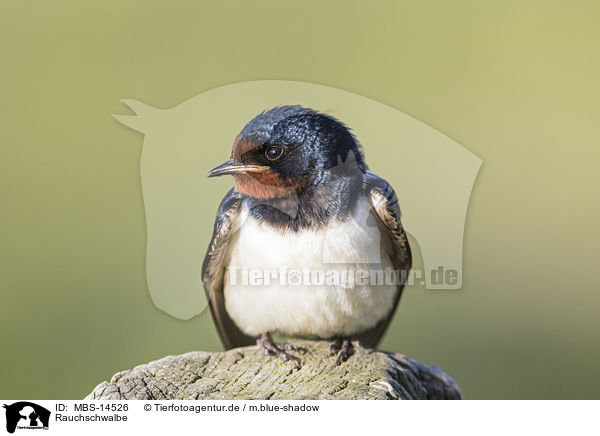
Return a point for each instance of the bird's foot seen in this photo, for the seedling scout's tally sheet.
(280, 350)
(344, 348)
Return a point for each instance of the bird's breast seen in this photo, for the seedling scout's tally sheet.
(310, 282)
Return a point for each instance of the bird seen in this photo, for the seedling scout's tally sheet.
(304, 200)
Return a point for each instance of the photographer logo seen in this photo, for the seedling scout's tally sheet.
(26, 415)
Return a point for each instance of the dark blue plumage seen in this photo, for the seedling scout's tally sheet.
(321, 160)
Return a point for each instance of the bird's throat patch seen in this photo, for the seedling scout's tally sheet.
(265, 185)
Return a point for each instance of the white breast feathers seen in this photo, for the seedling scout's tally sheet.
(305, 283)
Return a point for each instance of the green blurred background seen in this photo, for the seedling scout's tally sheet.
(516, 82)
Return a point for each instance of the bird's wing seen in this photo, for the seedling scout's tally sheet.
(385, 208)
(213, 270)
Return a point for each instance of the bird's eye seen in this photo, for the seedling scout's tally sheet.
(273, 152)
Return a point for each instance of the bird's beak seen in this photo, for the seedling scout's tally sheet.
(232, 167)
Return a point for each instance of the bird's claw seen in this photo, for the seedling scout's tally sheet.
(344, 348)
(271, 348)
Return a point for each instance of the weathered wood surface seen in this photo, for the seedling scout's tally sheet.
(247, 373)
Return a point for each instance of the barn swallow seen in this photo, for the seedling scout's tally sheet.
(301, 177)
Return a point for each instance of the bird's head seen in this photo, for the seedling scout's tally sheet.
(289, 149)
